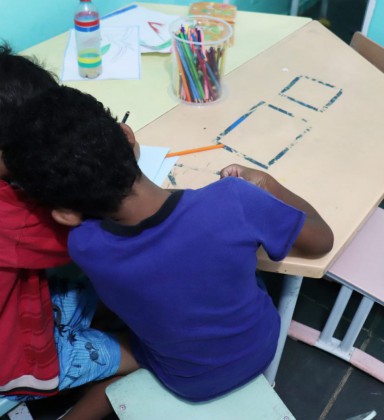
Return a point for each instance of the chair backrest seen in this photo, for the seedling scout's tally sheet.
(373, 26)
(360, 265)
(369, 49)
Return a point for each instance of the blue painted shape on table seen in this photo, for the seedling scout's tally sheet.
(335, 93)
(278, 156)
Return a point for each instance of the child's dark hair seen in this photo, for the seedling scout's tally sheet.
(67, 151)
(20, 79)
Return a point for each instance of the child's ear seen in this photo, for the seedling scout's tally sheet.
(66, 217)
(131, 139)
(129, 133)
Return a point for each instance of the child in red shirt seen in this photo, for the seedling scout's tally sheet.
(45, 353)
(30, 242)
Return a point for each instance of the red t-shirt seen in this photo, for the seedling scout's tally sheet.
(30, 241)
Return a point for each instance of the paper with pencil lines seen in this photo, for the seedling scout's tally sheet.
(120, 55)
(154, 32)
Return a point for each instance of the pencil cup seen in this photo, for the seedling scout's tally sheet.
(199, 45)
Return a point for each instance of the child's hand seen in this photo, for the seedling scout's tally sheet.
(258, 178)
(316, 237)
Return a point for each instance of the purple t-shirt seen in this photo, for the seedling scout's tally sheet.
(184, 281)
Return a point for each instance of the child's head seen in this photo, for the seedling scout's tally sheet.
(20, 79)
(68, 152)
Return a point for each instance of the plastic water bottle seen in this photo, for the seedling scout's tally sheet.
(88, 39)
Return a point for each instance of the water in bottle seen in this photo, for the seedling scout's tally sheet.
(88, 39)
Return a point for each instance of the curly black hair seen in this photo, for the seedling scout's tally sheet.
(20, 79)
(67, 151)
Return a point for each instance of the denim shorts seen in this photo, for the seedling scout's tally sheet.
(85, 354)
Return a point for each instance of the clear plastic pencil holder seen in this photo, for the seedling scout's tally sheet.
(199, 46)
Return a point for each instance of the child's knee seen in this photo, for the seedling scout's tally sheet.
(128, 363)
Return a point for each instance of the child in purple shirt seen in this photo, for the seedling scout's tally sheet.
(178, 268)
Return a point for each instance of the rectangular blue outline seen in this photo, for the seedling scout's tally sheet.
(313, 108)
(244, 117)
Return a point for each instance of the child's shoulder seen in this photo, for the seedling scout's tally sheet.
(4, 184)
(228, 188)
(234, 184)
(88, 228)
(11, 194)
(228, 182)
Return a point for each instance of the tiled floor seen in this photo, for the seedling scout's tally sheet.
(313, 384)
(317, 385)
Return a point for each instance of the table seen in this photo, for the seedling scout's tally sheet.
(148, 98)
(315, 113)
(315, 124)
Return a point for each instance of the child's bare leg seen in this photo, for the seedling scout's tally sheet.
(94, 405)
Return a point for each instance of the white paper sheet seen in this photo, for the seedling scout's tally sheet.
(154, 32)
(164, 170)
(153, 163)
(120, 55)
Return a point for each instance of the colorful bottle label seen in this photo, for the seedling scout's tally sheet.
(87, 22)
(89, 59)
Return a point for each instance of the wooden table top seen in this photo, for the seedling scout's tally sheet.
(309, 110)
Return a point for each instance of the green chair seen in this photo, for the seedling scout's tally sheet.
(6, 405)
(140, 396)
(14, 410)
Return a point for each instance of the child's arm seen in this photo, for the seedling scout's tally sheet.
(316, 237)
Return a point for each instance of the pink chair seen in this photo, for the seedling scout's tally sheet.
(360, 268)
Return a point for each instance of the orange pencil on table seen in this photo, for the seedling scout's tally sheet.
(196, 150)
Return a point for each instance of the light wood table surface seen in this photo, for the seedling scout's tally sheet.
(316, 124)
(149, 98)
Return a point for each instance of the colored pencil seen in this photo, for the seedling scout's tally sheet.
(199, 68)
(183, 78)
(198, 149)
